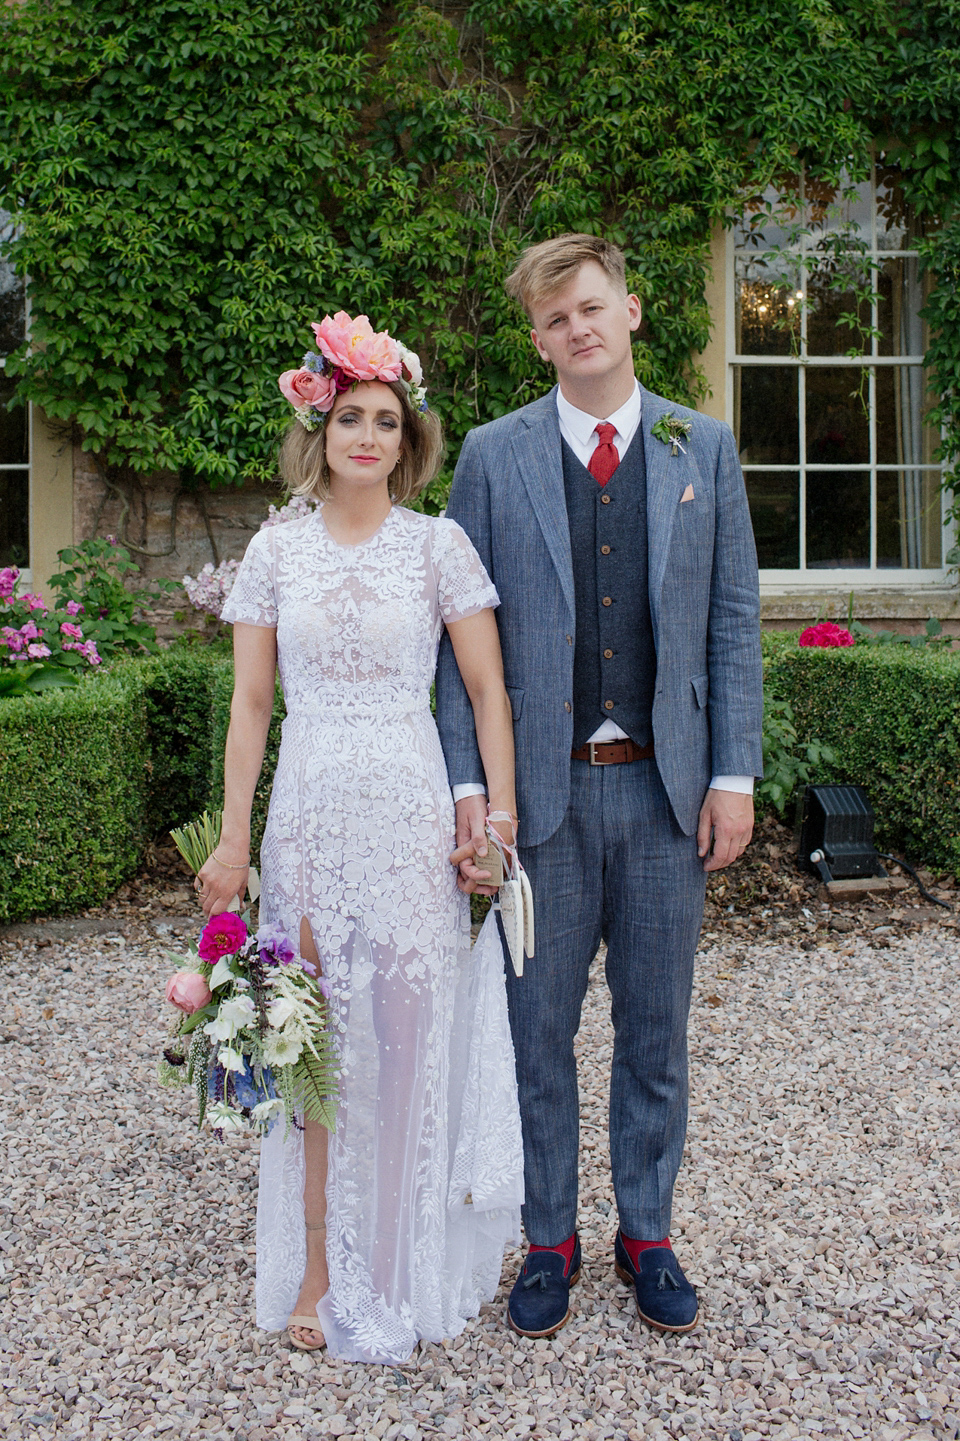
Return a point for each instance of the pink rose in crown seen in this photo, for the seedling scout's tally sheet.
(188, 992)
(303, 387)
(222, 936)
(354, 346)
(826, 634)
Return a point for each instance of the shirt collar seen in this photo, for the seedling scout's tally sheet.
(581, 425)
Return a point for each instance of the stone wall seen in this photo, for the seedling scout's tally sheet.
(169, 531)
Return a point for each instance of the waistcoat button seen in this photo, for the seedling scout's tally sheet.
(604, 550)
(608, 654)
(608, 705)
(607, 600)
(604, 500)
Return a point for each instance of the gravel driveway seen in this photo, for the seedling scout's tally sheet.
(817, 1211)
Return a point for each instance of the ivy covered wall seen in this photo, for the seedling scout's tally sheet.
(193, 184)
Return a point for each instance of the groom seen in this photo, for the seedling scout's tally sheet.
(616, 530)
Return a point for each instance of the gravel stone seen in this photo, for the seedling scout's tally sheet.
(817, 1212)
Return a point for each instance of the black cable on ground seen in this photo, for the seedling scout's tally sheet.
(920, 886)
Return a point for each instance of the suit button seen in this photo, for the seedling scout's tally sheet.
(604, 500)
(604, 550)
(569, 640)
(608, 654)
(607, 600)
(608, 705)
(567, 705)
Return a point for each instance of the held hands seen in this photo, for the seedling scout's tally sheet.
(727, 818)
(472, 844)
(218, 881)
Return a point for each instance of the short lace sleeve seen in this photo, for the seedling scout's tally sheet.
(463, 586)
(253, 599)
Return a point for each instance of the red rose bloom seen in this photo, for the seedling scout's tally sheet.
(222, 936)
(826, 634)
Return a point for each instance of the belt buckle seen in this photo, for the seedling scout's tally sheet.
(592, 747)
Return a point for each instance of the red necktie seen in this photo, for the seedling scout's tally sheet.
(606, 458)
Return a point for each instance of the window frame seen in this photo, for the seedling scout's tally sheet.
(847, 577)
(26, 571)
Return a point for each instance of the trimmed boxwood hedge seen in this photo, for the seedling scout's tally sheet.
(72, 795)
(180, 707)
(892, 715)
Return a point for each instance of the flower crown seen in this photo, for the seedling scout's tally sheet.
(349, 350)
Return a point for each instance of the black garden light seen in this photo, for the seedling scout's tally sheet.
(836, 833)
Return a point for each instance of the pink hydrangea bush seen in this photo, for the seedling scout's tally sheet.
(826, 634)
(39, 646)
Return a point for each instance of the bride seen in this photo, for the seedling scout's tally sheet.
(391, 1228)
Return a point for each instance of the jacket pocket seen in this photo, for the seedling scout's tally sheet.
(515, 694)
(701, 689)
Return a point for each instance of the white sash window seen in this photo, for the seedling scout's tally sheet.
(836, 449)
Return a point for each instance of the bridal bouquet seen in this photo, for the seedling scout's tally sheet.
(253, 1036)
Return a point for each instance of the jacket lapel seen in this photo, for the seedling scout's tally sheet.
(536, 449)
(664, 488)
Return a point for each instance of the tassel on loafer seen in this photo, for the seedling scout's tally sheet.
(539, 1303)
(665, 1299)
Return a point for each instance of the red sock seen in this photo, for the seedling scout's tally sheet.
(633, 1248)
(565, 1249)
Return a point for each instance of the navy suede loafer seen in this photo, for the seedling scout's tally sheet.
(665, 1298)
(540, 1300)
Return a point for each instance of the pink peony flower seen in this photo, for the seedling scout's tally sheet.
(303, 387)
(73, 631)
(74, 608)
(223, 935)
(38, 652)
(188, 992)
(826, 634)
(354, 346)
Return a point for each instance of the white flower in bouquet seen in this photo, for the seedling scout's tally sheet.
(239, 1011)
(283, 1048)
(280, 1012)
(266, 1112)
(230, 1060)
(224, 1117)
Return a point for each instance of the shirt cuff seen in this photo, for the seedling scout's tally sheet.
(742, 785)
(471, 788)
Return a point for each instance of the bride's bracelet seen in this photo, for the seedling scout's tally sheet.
(226, 864)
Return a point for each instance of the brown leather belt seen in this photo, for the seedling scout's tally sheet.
(612, 753)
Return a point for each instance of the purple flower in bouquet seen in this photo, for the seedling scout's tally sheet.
(275, 946)
(826, 634)
(223, 935)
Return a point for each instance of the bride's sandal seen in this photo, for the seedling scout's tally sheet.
(307, 1323)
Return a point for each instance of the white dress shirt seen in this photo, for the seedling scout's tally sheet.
(579, 430)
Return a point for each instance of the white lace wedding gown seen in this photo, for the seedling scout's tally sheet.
(425, 1165)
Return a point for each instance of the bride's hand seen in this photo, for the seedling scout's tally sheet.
(218, 881)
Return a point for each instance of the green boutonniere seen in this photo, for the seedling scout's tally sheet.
(672, 430)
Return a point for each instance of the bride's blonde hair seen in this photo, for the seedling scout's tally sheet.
(303, 455)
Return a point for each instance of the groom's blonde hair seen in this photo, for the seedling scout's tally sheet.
(546, 267)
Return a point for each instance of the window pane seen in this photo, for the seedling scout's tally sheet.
(13, 426)
(897, 228)
(766, 414)
(768, 311)
(14, 549)
(767, 221)
(909, 523)
(831, 207)
(13, 315)
(838, 519)
(900, 288)
(775, 511)
(828, 302)
(837, 429)
(903, 438)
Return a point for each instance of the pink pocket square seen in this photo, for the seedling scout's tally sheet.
(687, 494)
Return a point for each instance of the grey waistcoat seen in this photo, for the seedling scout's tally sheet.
(614, 654)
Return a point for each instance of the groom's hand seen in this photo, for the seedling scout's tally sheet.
(472, 846)
(727, 818)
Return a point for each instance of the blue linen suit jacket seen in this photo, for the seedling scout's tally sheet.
(508, 496)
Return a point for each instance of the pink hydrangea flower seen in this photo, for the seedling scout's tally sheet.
(73, 631)
(355, 347)
(8, 580)
(34, 602)
(74, 608)
(13, 639)
(826, 634)
(223, 935)
(38, 652)
(304, 387)
(30, 631)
